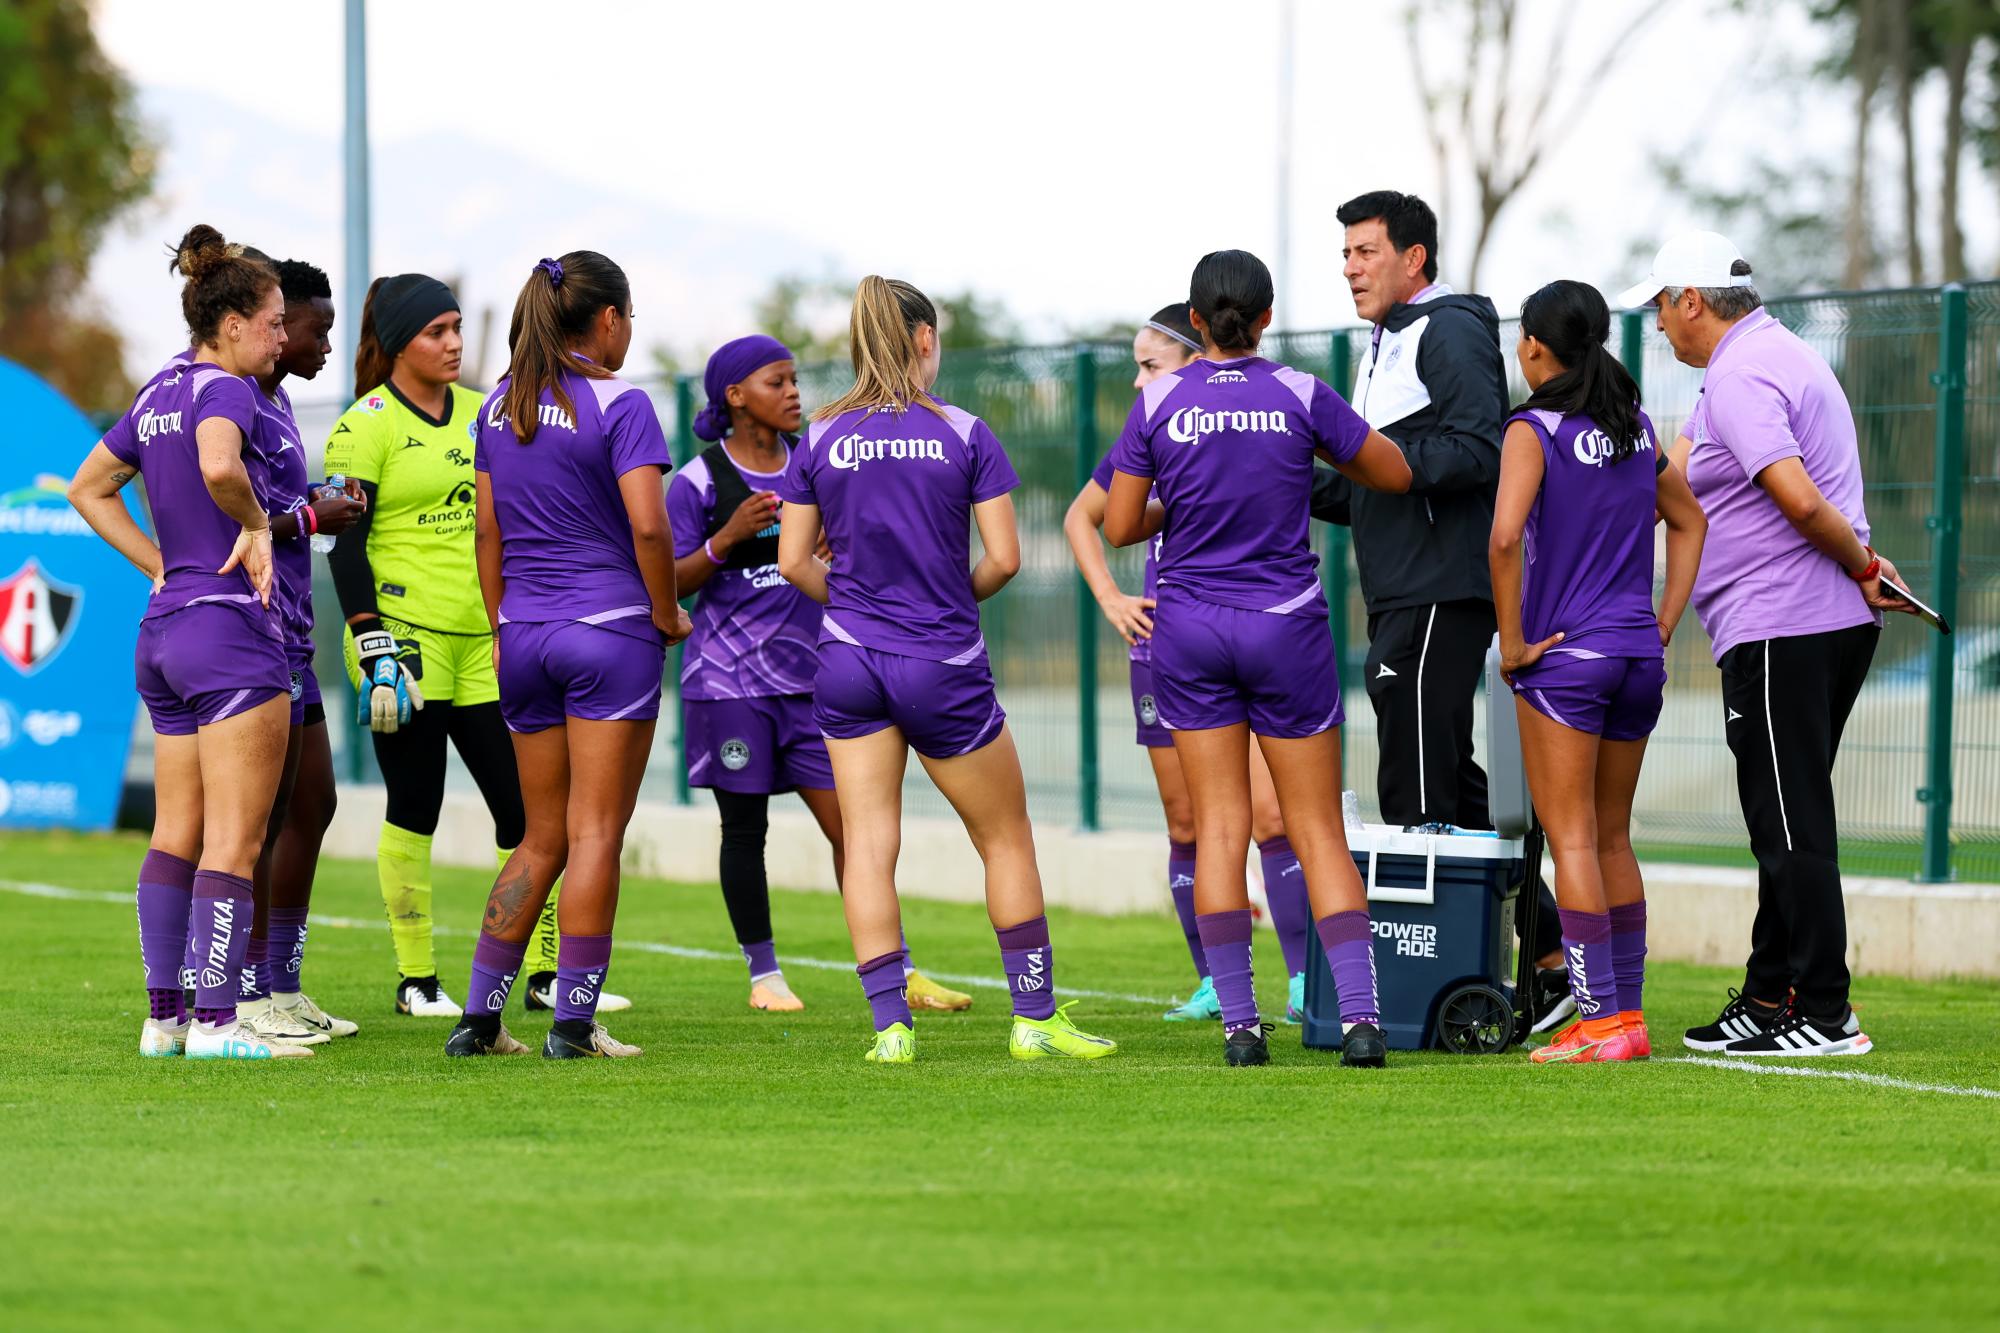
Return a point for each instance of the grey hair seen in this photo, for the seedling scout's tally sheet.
(1725, 303)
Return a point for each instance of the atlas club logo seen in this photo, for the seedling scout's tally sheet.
(37, 615)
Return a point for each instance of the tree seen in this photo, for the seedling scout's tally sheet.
(1503, 132)
(73, 158)
(809, 315)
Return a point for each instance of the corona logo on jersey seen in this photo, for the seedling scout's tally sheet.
(36, 616)
(1191, 423)
(1594, 448)
(850, 451)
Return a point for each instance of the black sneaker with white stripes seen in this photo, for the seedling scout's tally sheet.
(1799, 1035)
(1739, 1021)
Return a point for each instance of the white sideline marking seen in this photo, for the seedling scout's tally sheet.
(1753, 1065)
(642, 946)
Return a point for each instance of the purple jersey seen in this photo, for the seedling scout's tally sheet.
(1142, 649)
(157, 437)
(1229, 448)
(754, 633)
(282, 489)
(1589, 543)
(565, 540)
(895, 491)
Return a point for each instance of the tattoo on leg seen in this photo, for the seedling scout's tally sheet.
(509, 900)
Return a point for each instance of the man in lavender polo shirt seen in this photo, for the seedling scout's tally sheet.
(1791, 594)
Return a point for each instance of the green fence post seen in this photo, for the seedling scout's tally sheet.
(1333, 561)
(1085, 388)
(683, 451)
(1947, 494)
(1632, 346)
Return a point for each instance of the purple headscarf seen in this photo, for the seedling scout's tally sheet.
(733, 363)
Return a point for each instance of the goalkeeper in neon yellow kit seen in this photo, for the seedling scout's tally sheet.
(418, 647)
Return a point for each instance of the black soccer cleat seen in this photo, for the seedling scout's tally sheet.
(1740, 1020)
(540, 992)
(481, 1035)
(1553, 1003)
(1362, 1047)
(1247, 1046)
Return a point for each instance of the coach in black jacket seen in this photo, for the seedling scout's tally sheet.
(1432, 381)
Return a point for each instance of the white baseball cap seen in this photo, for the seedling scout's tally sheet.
(1692, 259)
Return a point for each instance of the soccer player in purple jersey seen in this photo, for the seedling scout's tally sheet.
(1581, 478)
(1167, 343)
(576, 564)
(746, 672)
(1241, 639)
(896, 478)
(271, 1001)
(211, 658)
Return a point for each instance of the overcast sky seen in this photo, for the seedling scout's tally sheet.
(1072, 159)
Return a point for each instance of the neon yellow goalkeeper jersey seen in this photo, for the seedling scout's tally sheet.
(420, 540)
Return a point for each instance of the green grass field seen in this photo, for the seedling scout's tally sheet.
(752, 1172)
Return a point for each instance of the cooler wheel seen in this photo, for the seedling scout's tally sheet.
(1475, 1020)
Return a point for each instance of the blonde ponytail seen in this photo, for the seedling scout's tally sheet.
(882, 336)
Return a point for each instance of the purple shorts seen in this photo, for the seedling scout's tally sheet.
(1215, 666)
(304, 682)
(1617, 698)
(207, 662)
(943, 710)
(555, 669)
(755, 746)
(1146, 710)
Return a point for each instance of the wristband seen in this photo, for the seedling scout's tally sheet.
(1873, 570)
(311, 521)
(710, 552)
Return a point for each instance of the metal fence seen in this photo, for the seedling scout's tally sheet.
(1917, 776)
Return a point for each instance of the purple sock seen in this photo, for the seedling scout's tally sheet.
(166, 893)
(903, 943)
(222, 908)
(190, 965)
(1628, 954)
(581, 962)
(1593, 977)
(495, 964)
(882, 983)
(1349, 941)
(1031, 968)
(1225, 938)
(762, 957)
(286, 929)
(1180, 881)
(1285, 891)
(254, 983)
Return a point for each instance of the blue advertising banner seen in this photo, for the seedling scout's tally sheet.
(69, 618)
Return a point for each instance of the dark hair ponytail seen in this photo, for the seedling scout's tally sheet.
(222, 279)
(558, 303)
(372, 362)
(1230, 290)
(1572, 321)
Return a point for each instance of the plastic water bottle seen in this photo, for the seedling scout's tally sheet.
(1350, 810)
(336, 485)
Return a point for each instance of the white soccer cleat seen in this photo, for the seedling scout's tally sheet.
(263, 1018)
(543, 996)
(299, 1007)
(159, 1039)
(422, 997)
(233, 1041)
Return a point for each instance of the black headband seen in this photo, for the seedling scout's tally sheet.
(404, 305)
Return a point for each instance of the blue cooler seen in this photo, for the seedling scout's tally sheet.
(1442, 906)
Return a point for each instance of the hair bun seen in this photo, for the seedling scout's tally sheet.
(201, 250)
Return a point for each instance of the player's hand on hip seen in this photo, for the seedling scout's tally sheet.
(252, 552)
(673, 622)
(1520, 656)
(1130, 616)
(389, 694)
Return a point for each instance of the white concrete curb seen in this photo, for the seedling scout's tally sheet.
(1698, 914)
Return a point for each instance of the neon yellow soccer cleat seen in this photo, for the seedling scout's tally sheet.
(894, 1045)
(1039, 1038)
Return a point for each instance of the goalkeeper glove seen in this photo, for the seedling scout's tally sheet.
(389, 694)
